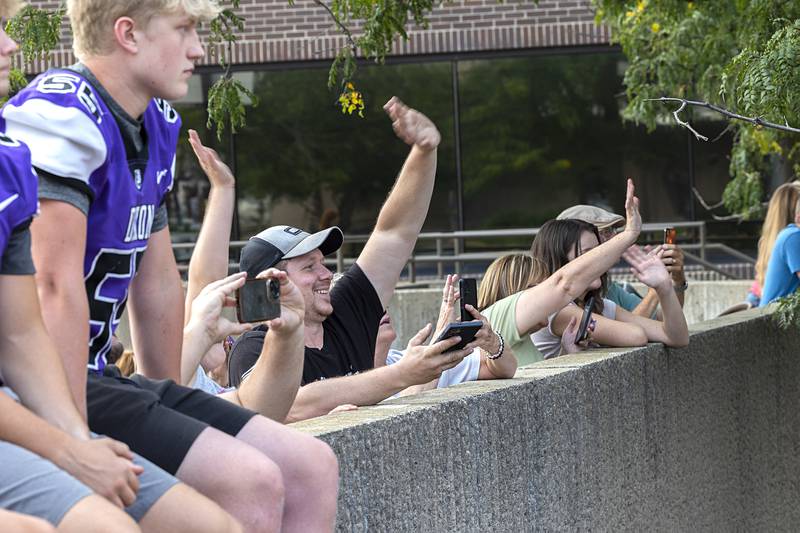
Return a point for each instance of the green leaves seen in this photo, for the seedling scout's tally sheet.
(38, 31)
(742, 55)
(226, 105)
(226, 97)
(787, 313)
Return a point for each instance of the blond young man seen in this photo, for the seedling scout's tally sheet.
(103, 142)
(50, 466)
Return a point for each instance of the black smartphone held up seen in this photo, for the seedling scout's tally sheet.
(670, 235)
(468, 290)
(583, 330)
(258, 300)
(465, 330)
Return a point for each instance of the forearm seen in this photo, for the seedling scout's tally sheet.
(504, 367)
(21, 427)
(576, 275)
(407, 204)
(194, 346)
(209, 260)
(156, 319)
(674, 325)
(271, 387)
(648, 305)
(66, 316)
(366, 388)
(39, 379)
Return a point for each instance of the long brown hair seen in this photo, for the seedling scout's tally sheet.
(507, 275)
(780, 213)
(556, 238)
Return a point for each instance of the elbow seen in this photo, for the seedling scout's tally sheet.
(505, 372)
(679, 341)
(566, 287)
(638, 337)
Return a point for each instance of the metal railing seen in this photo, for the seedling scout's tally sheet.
(449, 248)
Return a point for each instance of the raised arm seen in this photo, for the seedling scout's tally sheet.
(272, 385)
(155, 310)
(58, 244)
(650, 270)
(570, 281)
(402, 215)
(209, 260)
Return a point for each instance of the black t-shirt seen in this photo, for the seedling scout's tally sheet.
(349, 334)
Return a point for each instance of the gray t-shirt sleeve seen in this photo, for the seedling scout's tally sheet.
(17, 259)
(54, 189)
(160, 220)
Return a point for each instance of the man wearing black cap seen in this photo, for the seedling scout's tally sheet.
(341, 324)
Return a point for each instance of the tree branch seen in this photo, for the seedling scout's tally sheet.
(758, 121)
(347, 33)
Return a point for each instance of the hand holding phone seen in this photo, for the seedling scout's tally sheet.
(465, 330)
(258, 300)
(583, 330)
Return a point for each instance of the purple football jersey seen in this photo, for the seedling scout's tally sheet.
(72, 134)
(18, 201)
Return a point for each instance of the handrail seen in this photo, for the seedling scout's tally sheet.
(453, 253)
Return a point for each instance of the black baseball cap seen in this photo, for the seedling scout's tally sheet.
(284, 242)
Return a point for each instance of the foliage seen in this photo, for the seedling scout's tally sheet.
(787, 311)
(37, 31)
(741, 55)
(226, 95)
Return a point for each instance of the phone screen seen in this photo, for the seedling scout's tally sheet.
(670, 235)
(258, 300)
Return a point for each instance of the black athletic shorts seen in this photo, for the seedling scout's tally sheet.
(158, 419)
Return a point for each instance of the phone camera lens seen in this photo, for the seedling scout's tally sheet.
(274, 289)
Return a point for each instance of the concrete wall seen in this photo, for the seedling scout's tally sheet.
(412, 308)
(702, 438)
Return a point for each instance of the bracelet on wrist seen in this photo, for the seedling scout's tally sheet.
(500, 350)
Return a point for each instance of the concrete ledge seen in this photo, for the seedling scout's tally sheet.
(701, 438)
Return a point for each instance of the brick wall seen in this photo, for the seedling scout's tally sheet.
(276, 31)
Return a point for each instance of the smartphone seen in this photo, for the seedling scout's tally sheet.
(670, 235)
(583, 330)
(465, 330)
(468, 289)
(258, 300)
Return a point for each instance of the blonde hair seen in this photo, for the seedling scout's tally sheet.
(507, 275)
(781, 212)
(93, 20)
(126, 363)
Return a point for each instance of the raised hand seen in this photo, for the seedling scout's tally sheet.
(673, 260)
(568, 338)
(218, 172)
(207, 309)
(648, 267)
(447, 311)
(633, 222)
(411, 126)
(292, 303)
(486, 339)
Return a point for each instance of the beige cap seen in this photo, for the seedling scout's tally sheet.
(593, 215)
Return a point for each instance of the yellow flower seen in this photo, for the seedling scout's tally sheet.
(629, 14)
(655, 27)
(640, 5)
(690, 6)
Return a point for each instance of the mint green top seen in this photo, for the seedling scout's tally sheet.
(502, 315)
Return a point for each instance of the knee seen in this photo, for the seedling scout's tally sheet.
(263, 493)
(328, 464)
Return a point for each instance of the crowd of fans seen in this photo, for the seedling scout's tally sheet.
(186, 430)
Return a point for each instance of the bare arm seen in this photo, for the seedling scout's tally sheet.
(570, 281)
(31, 365)
(271, 387)
(650, 270)
(504, 367)
(58, 246)
(421, 364)
(402, 215)
(607, 332)
(210, 257)
(648, 305)
(155, 305)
